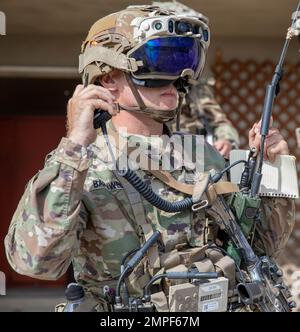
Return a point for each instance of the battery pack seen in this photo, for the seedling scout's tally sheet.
(211, 296)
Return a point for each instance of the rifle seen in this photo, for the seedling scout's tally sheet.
(262, 286)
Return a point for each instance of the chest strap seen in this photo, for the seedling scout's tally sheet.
(166, 177)
(220, 188)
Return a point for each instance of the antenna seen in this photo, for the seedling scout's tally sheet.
(272, 91)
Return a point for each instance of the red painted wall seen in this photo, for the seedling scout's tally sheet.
(25, 141)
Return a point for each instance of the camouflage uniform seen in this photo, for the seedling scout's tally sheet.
(75, 210)
(201, 114)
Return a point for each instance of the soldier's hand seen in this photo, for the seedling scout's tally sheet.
(274, 144)
(224, 147)
(80, 112)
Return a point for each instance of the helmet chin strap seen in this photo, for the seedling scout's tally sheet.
(158, 115)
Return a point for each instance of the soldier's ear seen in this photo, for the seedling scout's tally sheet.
(111, 81)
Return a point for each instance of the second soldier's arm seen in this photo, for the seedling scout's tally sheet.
(277, 214)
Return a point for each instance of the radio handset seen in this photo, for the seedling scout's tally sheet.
(100, 116)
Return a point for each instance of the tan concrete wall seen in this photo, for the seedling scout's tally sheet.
(63, 51)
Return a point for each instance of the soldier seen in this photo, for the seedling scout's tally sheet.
(135, 64)
(201, 114)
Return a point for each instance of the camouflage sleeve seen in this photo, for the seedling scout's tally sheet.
(44, 229)
(275, 226)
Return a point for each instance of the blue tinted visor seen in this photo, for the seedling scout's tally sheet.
(168, 57)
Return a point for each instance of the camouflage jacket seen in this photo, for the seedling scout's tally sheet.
(75, 210)
(201, 114)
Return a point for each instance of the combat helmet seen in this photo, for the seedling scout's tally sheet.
(152, 46)
(180, 9)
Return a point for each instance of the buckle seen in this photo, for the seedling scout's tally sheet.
(200, 205)
(134, 65)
